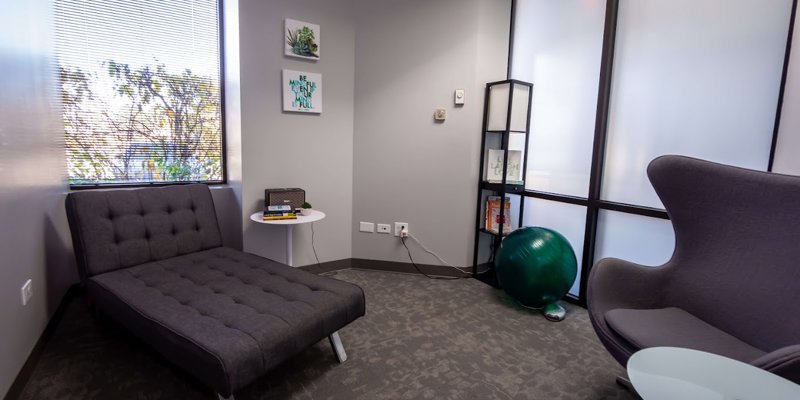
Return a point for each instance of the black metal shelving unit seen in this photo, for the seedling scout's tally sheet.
(485, 271)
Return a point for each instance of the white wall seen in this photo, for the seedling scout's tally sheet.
(228, 199)
(314, 152)
(34, 241)
(787, 150)
(410, 56)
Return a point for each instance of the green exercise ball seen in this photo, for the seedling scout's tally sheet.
(536, 266)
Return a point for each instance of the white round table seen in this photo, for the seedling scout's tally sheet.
(289, 223)
(669, 373)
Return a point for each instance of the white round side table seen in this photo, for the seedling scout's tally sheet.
(669, 373)
(289, 223)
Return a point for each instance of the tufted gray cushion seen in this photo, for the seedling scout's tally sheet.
(226, 316)
(120, 228)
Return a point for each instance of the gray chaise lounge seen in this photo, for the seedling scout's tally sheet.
(731, 287)
(152, 259)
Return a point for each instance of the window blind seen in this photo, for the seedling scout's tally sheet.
(140, 90)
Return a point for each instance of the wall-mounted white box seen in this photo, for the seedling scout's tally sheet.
(367, 227)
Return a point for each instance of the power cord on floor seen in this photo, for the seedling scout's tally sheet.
(313, 247)
(446, 278)
(445, 263)
(404, 234)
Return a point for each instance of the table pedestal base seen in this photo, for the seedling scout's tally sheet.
(289, 232)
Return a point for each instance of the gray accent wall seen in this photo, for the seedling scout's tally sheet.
(410, 57)
(34, 240)
(284, 149)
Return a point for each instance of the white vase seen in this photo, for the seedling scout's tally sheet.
(306, 211)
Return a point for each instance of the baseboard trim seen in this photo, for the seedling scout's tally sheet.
(15, 391)
(381, 265)
(327, 266)
(394, 266)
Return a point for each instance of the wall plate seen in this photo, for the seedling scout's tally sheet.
(458, 97)
(368, 227)
(398, 226)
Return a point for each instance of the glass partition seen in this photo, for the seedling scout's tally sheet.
(692, 78)
(567, 219)
(557, 47)
(644, 240)
(696, 78)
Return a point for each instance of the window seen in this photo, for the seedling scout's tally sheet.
(141, 90)
(674, 78)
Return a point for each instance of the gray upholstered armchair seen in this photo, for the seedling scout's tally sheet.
(732, 286)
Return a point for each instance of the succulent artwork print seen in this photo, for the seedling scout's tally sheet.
(302, 42)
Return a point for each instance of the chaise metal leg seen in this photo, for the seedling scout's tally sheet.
(336, 343)
(219, 396)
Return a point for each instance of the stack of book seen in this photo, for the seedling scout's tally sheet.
(492, 221)
(284, 211)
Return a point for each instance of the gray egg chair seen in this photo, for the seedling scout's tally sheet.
(732, 286)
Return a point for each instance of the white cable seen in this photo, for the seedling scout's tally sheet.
(312, 243)
(445, 263)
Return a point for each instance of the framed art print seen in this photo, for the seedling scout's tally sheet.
(494, 167)
(302, 91)
(302, 39)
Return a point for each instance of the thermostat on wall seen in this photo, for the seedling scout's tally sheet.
(440, 114)
(459, 96)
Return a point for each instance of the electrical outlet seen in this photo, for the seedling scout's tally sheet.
(27, 292)
(384, 228)
(368, 227)
(398, 227)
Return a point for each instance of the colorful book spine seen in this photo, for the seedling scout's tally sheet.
(492, 222)
(279, 214)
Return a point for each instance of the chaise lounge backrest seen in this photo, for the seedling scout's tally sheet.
(122, 228)
(737, 257)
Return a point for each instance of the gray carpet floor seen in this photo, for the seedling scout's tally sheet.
(420, 339)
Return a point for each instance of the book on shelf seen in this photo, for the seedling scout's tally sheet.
(280, 212)
(278, 215)
(278, 218)
(492, 221)
(281, 207)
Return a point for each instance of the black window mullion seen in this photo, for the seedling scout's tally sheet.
(599, 146)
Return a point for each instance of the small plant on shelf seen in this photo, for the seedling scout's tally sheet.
(305, 209)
